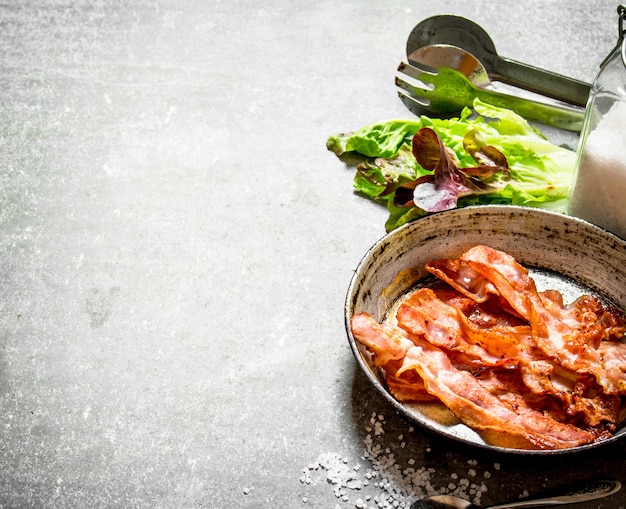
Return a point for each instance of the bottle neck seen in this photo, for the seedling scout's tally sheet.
(621, 32)
(620, 47)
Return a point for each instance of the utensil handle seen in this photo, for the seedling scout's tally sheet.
(540, 81)
(563, 116)
(585, 492)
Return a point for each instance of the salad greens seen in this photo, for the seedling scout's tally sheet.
(486, 155)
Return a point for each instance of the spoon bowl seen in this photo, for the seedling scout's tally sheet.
(463, 33)
(453, 57)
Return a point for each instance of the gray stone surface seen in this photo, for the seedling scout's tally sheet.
(176, 243)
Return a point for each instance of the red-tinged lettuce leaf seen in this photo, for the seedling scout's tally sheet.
(448, 183)
(490, 159)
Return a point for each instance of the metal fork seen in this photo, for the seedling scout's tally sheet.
(444, 92)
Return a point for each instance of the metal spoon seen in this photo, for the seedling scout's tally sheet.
(463, 33)
(582, 493)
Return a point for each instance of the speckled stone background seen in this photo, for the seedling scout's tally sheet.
(176, 243)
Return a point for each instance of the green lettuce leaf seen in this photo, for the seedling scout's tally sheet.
(539, 172)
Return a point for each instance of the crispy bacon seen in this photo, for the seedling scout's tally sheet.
(572, 348)
(409, 387)
(423, 314)
(461, 392)
(587, 311)
(461, 276)
(386, 342)
(516, 364)
(613, 358)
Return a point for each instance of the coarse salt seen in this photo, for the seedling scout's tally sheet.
(382, 482)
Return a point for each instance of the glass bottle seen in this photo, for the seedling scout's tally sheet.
(599, 191)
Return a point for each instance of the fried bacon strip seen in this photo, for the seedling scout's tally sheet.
(572, 347)
(461, 392)
(424, 314)
(409, 387)
(517, 365)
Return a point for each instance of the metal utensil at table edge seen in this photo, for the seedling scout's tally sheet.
(584, 492)
(444, 79)
(465, 34)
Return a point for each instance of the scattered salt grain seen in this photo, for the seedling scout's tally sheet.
(382, 481)
(378, 429)
(354, 484)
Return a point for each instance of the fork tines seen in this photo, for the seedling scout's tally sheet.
(414, 92)
(416, 70)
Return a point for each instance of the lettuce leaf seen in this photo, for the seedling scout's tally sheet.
(539, 173)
